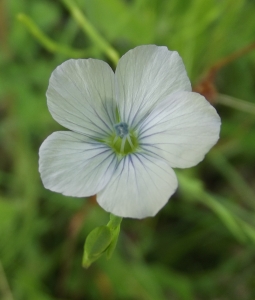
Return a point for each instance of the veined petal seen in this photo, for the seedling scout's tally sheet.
(185, 126)
(80, 96)
(139, 188)
(73, 165)
(145, 76)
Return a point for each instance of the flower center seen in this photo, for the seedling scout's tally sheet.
(121, 129)
(124, 141)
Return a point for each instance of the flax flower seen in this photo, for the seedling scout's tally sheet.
(128, 130)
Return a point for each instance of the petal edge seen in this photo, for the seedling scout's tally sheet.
(139, 188)
(72, 165)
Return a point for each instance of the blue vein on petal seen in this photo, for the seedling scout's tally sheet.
(68, 112)
(96, 155)
(78, 125)
(81, 103)
(95, 87)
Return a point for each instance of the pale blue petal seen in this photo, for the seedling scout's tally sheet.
(80, 97)
(144, 77)
(182, 129)
(139, 188)
(73, 165)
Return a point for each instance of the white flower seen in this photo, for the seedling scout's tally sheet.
(128, 130)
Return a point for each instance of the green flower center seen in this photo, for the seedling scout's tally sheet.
(123, 141)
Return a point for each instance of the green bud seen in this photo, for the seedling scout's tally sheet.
(114, 226)
(115, 234)
(102, 239)
(96, 244)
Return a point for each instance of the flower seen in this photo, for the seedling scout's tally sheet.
(128, 130)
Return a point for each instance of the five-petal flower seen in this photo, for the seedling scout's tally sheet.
(128, 130)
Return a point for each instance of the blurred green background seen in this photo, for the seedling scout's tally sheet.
(201, 245)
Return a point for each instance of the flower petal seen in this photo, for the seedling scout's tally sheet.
(185, 126)
(74, 166)
(139, 188)
(146, 75)
(80, 96)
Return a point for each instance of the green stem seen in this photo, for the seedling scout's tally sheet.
(89, 29)
(230, 221)
(233, 177)
(236, 103)
(194, 190)
(46, 42)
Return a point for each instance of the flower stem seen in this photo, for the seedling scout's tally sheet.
(89, 29)
(237, 182)
(236, 103)
(46, 42)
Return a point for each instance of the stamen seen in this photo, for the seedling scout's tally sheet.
(130, 142)
(115, 139)
(123, 142)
